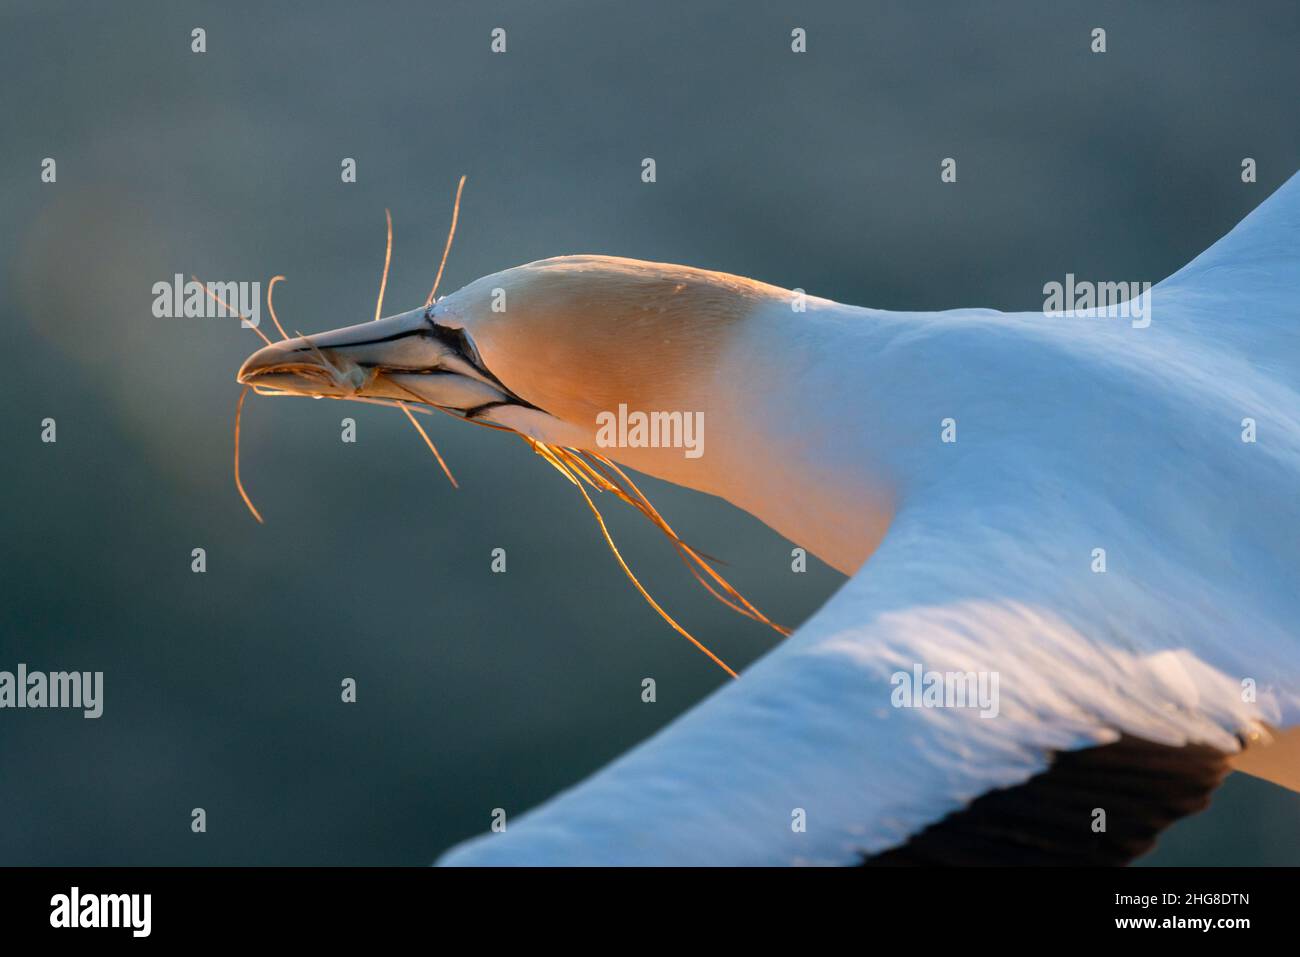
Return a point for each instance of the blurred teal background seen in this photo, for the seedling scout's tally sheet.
(478, 690)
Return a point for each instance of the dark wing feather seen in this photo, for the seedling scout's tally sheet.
(1142, 786)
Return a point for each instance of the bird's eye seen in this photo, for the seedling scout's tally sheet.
(470, 350)
(457, 339)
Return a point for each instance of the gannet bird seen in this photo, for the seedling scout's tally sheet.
(1101, 517)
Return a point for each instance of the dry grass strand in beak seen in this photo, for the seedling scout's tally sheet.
(609, 473)
(429, 442)
(215, 298)
(239, 484)
(270, 305)
(446, 250)
(558, 458)
(388, 257)
(406, 408)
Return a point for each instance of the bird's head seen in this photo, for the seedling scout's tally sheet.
(551, 349)
(581, 354)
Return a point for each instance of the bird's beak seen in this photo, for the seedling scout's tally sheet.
(406, 357)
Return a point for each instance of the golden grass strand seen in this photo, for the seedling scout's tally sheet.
(446, 250)
(752, 611)
(215, 298)
(388, 257)
(643, 505)
(550, 455)
(271, 305)
(429, 442)
(239, 484)
(600, 520)
(690, 557)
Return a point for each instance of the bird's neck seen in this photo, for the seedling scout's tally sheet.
(800, 427)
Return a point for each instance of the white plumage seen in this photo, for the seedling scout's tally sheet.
(1100, 536)
(1073, 434)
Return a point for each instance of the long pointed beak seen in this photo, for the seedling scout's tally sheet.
(405, 357)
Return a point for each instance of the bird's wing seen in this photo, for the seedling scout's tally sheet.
(1243, 293)
(817, 755)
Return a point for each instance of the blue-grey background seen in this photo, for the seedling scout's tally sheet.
(478, 690)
